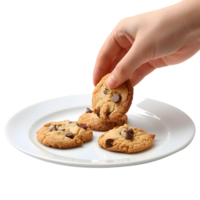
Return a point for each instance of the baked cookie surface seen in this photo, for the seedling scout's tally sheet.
(111, 104)
(64, 134)
(95, 123)
(126, 139)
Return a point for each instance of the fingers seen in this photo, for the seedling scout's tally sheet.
(112, 51)
(140, 73)
(136, 56)
(116, 59)
(146, 69)
(109, 49)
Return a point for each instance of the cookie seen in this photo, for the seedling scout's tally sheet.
(111, 104)
(64, 134)
(95, 123)
(126, 139)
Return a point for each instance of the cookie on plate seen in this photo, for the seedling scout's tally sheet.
(126, 139)
(64, 134)
(111, 104)
(97, 124)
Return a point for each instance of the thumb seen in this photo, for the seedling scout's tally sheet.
(138, 54)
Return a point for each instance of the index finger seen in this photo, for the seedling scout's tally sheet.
(109, 49)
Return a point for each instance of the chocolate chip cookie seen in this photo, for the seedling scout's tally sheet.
(126, 139)
(95, 123)
(64, 134)
(111, 104)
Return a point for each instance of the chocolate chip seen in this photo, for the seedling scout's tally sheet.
(98, 113)
(54, 128)
(116, 98)
(109, 142)
(62, 129)
(70, 135)
(83, 126)
(89, 110)
(129, 134)
(106, 91)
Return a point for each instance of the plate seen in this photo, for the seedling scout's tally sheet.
(173, 128)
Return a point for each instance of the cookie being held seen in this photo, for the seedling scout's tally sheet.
(126, 139)
(95, 123)
(64, 134)
(111, 104)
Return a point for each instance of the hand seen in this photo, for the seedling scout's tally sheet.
(140, 44)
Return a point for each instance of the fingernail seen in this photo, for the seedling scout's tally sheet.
(111, 81)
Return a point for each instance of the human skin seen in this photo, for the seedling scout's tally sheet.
(140, 44)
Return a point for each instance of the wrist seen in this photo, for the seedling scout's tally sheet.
(192, 13)
(191, 10)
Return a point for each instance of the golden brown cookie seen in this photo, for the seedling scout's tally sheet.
(111, 104)
(126, 139)
(64, 134)
(95, 123)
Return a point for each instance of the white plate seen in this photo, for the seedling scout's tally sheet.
(174, 131)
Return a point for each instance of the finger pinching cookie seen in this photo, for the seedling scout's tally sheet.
(111, 104)
(95, 123)
(126, 139)
(64, 134)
